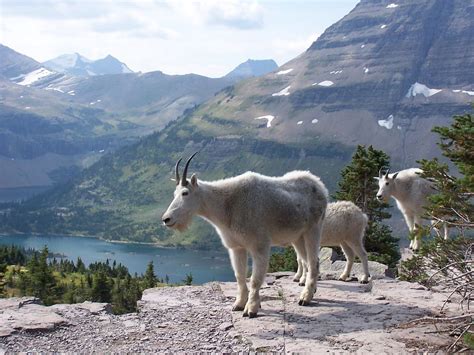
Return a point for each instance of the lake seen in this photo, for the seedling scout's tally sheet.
(205, 266)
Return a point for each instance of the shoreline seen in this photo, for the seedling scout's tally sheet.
(155, 245)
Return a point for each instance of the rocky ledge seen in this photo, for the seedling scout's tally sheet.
(345, 316)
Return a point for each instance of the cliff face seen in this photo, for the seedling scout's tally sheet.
(385, 74)
(347, 317)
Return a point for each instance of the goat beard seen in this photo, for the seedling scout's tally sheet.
(183, 225)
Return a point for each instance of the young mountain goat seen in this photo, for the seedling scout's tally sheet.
(411, 193)
(252, 212)
(344, 226)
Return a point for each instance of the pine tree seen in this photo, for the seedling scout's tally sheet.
(150, 279)
(101, 288)
(453, 202)
(43, 284)
(359, 186)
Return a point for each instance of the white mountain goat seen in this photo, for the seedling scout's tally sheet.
(252, 212)
(344, 226)
(411, 193)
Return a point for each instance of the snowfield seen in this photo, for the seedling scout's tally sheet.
(388, 123)
(325, 83)
(420, 89)
(269, 119)
(281, 72)
(283, 92)
(31, 77)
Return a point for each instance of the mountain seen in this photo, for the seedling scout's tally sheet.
(54, 124)
(252, 68)
(14, 64)
(384, 75)
(77, 65)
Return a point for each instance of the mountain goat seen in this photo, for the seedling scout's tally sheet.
(252, 212)
(411, 193)
(344, 225)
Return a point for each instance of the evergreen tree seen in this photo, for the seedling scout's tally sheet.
(453, 202)
(150, 277)
(101, 288)
(43, 284)
(359, 186)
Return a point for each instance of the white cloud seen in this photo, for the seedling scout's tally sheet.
(241, 14)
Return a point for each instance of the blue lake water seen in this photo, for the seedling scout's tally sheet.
(204, 266)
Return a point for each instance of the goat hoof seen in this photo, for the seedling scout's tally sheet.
(245, 314)
(364, 281)
(252, 315)
(237, 308)
(296, 279)
(301, 284)
(303, 303)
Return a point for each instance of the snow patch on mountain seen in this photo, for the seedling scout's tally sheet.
(299, 123)
(325, 83)
(282, 72)
(420, 89)
(269, 119)
(392, 6)
(383, 26)
(388, 123)
(284, 92)
(470, 93)
(315, 120)
(31, 77)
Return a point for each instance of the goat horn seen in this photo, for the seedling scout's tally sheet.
(388, 171)
(177, 170)
(380, 173)
(184, 182)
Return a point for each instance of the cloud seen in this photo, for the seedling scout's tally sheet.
(134, 25)
(240, 14)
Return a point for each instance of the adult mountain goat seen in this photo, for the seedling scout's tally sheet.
(344, 226)
(411, 193)
(252, 212)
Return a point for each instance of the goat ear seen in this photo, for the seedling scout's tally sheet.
(377, 178)
(394, 176)
(194, 180)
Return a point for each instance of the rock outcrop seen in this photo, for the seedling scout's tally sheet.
(345, 316)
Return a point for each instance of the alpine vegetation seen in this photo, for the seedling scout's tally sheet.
(411, 193)
(251, 212)
(344, 225)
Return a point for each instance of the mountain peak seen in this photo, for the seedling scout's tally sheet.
(78, 65)
(252, 68)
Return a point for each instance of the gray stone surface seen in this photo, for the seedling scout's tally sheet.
(344, 317)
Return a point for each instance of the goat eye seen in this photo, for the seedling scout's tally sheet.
(185, 193)
(386, 183)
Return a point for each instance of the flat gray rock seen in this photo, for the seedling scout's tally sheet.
(343, 317)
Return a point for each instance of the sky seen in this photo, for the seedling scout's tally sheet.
(207, 37)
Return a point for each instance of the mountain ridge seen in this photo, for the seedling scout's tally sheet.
(77, 65)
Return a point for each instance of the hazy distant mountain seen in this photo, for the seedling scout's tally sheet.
(252, 68)
(52, 124)
(77, 65)
(384, 75)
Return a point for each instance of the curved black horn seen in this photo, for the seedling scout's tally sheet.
(177, 170)
(184, 182)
